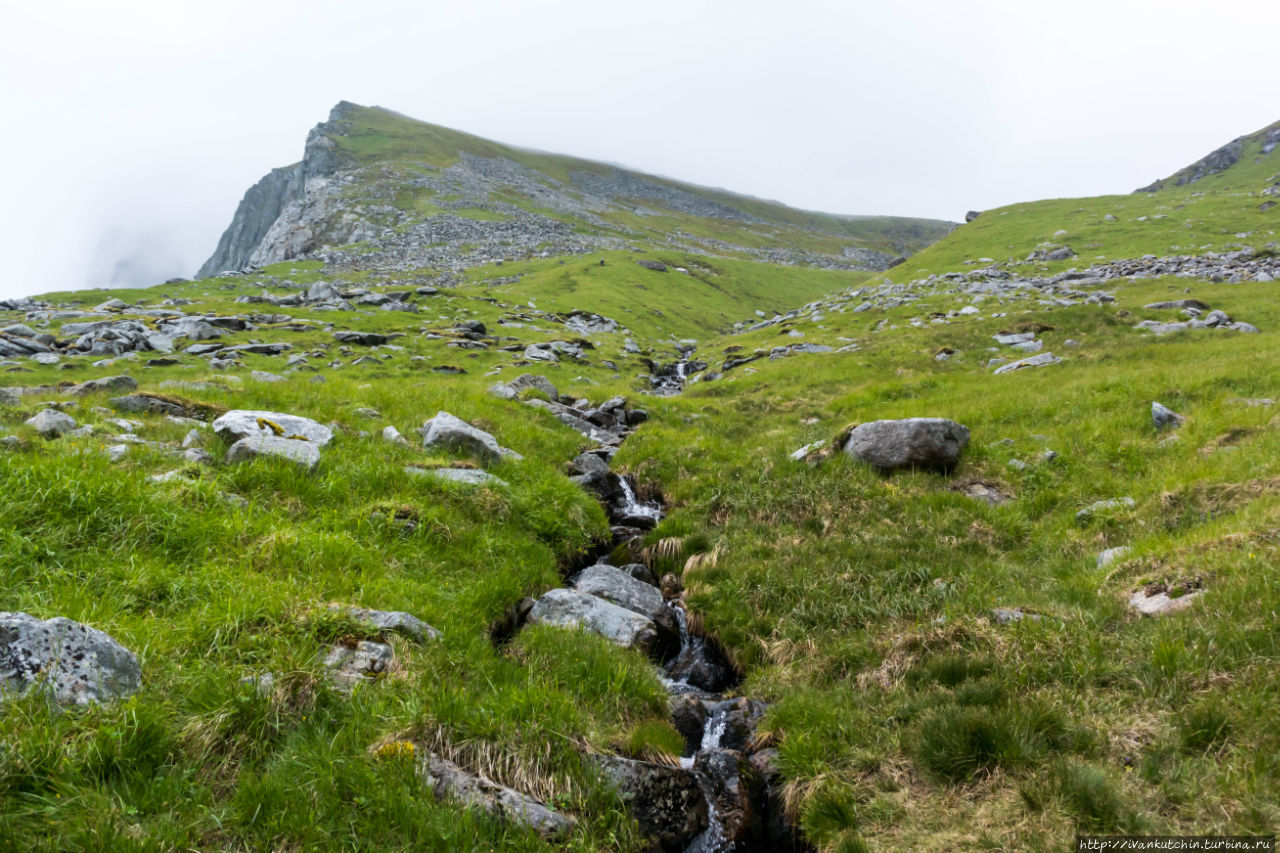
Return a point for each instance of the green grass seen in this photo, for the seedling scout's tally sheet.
(858, 605)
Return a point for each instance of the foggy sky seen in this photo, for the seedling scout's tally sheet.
(132, 129)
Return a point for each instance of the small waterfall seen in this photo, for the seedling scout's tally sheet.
(631, 506)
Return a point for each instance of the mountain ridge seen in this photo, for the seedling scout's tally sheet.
(414, 172)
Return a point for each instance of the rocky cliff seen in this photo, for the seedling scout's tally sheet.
(281, 190)
(377, 189)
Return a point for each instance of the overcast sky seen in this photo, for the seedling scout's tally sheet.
(133, 128)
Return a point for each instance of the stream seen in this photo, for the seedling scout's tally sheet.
(733, 770)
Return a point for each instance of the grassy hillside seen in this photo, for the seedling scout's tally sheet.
(910, 710)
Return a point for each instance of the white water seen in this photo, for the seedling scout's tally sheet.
(631, 506)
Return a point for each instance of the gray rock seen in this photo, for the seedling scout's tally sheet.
(117, 384)
(931, 444)
(451, 433)
(1039, 360)
(666, 801)
(528, 381)
(620, 588)
(240, 424)
(321, 291)
(1010, 615)
(368, 339)
(465, 476)
(303, 452)
(811, 447)
(357, 663)
(1104, 506)
(449, 781)
(1160, 604)
(593, 474)
(570, 608)
(76, 664)
(392, 435)
(51, 423)
(1177, 305)
(1110, 555)
(1165, 418)
(395, 621)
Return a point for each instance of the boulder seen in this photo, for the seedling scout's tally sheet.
(930, 444)
(620, 588)
(1165, 418)
(448, 780)
(592, 473)
(51, 423)
(76, 664)
(525, 382)
(571, 608)
(239, 424)
(305, 453)
(666, 801)
(451, 433)
(322, 290)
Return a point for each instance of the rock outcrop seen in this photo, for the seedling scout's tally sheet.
(76, 664)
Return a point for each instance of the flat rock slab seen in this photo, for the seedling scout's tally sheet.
(76, 664)
(296, 450)
(571, 608)
(620, 588)
(989, 493)
(392, 621)
(1040, 360)
(368, 339)
(239, 424)
(1160, 603)
(929, 444)
(465, 476)
(448, 780)
(1105, 506)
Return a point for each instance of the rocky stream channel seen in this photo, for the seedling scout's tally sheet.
(724, 793)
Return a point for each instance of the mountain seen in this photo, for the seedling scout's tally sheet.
(651, 547)
(1242, 162)
(378, 189)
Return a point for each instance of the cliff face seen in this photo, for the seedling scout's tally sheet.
(263, 204)
(376, 189)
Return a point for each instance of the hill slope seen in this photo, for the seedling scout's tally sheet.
(410, 194)
(1070, 631)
